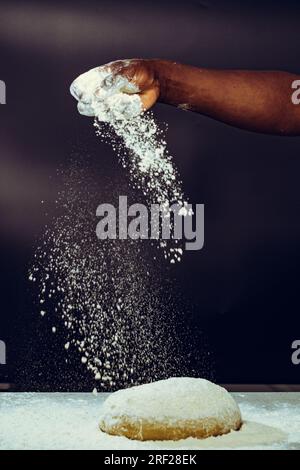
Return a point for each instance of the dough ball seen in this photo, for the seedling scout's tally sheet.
(171, 409)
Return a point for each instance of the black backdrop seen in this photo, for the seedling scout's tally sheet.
(243, 285)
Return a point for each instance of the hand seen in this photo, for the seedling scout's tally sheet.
(93, 86)
(140, 73)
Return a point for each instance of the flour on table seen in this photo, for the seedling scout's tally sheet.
(69, 421)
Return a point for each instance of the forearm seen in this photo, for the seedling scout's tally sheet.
(258, 101)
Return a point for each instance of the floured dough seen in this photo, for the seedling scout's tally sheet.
(171, 409)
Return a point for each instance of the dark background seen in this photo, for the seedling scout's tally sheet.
(244, 285)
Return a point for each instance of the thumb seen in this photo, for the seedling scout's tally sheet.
(150, 96)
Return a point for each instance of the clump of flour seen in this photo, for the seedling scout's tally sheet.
(137, 139)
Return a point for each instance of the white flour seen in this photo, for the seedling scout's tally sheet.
(174, 399)
(105, 96)
(69, 421)
(110, 305)
(140, 143)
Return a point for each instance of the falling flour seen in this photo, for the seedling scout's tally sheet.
(115, 311)
(137, 139)
(118, 316)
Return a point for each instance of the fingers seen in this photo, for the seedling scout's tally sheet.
(135, 76)
(136, 71)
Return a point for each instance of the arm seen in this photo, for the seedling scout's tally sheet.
(254, 100)
(258, 101)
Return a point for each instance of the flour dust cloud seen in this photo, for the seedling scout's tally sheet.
(137, 139)
(117, 314)
(116, 310)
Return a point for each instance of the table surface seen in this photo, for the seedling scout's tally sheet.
(70, 421)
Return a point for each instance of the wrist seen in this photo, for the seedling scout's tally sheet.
(162, 73)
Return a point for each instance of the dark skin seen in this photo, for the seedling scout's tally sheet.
(258, 101)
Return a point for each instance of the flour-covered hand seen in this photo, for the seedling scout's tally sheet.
(94, 90)
(140, 73)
